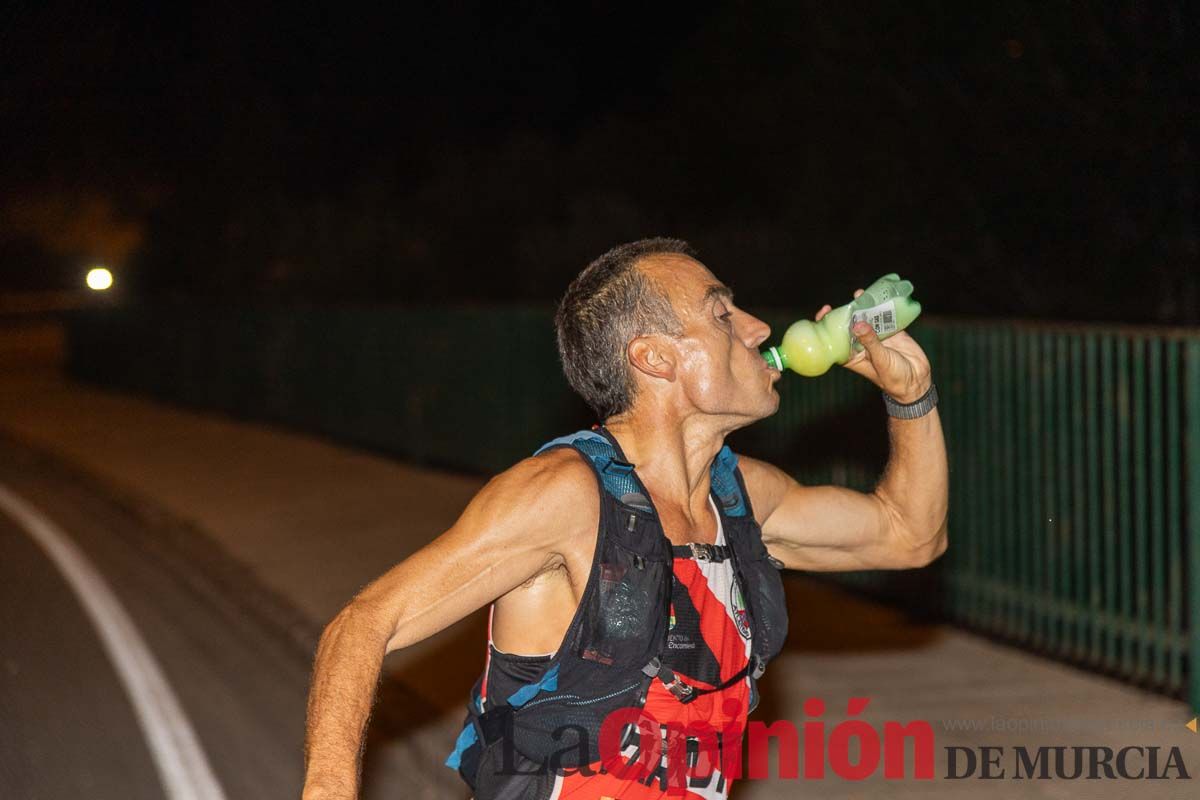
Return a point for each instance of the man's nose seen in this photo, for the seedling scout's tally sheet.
(757, 331)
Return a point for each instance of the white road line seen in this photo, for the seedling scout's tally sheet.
(185, 772)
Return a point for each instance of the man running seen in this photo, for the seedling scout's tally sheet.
(632, 570)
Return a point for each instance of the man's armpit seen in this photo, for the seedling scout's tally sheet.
(766, 484)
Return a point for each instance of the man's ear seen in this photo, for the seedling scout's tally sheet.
(652, 355)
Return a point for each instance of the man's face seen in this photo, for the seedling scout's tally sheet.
(718, 366)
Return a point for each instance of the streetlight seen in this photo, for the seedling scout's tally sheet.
(99, 279)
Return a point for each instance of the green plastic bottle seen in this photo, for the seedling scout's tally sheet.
(811, 348)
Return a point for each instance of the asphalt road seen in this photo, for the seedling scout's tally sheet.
(236, 658)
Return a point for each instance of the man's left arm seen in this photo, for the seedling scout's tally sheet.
(902, 522)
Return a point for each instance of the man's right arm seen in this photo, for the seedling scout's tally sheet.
(516, 527)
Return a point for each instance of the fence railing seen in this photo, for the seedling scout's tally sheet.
(1074, 450)
(1074, 455)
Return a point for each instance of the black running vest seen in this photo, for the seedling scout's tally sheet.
(612, 649)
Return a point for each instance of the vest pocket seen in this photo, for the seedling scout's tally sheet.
(625, 615)
(765, 587)
(768, 604)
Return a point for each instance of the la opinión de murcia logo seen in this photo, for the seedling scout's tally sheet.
(1066, 762)
(635, 746)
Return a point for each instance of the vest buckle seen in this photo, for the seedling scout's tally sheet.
(702, 551)
(681, 690)
(684, 692)
(757, 666)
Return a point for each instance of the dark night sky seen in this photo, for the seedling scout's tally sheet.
(487, 151)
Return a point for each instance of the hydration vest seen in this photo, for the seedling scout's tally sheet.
(612, 649)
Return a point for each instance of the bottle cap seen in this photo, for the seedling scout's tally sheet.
(774, 358)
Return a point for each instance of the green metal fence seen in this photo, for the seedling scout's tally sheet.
(466, 387)
(1074, 450)
(1074, 455)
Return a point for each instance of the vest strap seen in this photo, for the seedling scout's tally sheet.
(685, 692)
(701, 551)
(494, 723)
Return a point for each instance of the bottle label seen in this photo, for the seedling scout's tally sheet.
(881, 317)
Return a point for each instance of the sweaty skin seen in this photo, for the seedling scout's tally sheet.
(526, 540)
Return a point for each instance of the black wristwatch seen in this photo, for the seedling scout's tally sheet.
(918, 408)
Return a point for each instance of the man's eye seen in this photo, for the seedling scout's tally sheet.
(728, 315)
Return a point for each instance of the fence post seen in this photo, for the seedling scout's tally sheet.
(1192, 470)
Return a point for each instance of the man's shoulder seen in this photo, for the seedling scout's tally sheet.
(557, 485)
(562, 469)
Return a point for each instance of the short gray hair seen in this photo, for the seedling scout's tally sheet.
(610, 303)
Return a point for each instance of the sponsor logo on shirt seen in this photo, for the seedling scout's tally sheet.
(738, 605)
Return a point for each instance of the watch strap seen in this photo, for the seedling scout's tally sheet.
(918, 408)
